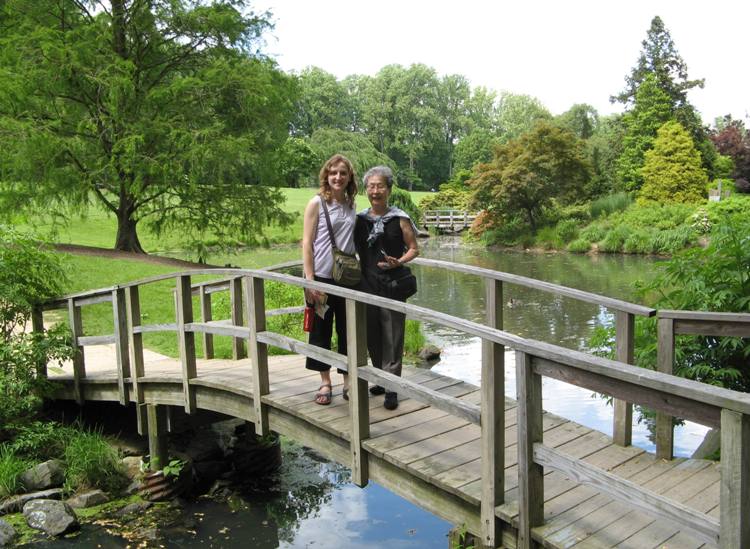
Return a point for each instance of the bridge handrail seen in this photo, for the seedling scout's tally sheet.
(706, 404)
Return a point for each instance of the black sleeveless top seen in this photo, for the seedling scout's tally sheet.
(391, 242)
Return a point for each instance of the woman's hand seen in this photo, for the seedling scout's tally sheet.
(389, 263)
(314, 297)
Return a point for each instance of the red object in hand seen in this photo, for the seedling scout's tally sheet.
(308, 322)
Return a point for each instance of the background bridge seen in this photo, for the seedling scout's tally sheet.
(511, 473)
(448, 220)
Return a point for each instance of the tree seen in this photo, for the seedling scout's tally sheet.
(732, 139)
(528, 172)
(672, 170)
(659, 57)
(296, 160)
(453, 102)
(604, 149)
(163, 112)
(581, 119)
(323, 103)
(651, 110)
(517, 114)
(660, 61)
(474, 148)
(355, 146)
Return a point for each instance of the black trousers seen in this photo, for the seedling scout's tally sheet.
(322, 329)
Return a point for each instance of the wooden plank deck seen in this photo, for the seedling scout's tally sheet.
(431, 457)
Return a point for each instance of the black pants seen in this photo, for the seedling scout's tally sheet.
(322, 329)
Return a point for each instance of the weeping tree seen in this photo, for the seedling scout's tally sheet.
(163, 112)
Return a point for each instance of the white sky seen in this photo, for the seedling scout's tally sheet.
(561, 52)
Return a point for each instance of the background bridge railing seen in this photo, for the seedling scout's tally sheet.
(668, 394)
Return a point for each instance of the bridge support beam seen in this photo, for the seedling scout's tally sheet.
(157, 435)
(735, 480)
(255, 304)
(530, 430)
(184, 305)
(359, 406)
(622, 430)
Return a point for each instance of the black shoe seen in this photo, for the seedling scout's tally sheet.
(391, 401)
(345, 394)
(376, 390)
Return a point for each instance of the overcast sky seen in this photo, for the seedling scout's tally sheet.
(561, 52)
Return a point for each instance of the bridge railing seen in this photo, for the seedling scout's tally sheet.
(672, 323)
(705, 404)
(448, 218)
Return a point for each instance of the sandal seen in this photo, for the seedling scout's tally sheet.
(324, 398)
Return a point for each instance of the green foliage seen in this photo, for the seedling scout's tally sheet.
(579, 246)
(527, 173)
(594, 232)
(29, 274)
(402, 199)
(581, 119)
(672, 170)
(91, 462)
(651, 110)
(567, 230)
(449, 199)
(11, 468)
(518, 114)
(475, 148)
(607, 205)
(355, 146)
(414, 338)
(548, 238)
(173, 468)
(165, 114)
(615, 239)
(40, 440)
(736, 205)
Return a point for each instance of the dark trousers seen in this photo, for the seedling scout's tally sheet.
(322, 329)
(385, 338)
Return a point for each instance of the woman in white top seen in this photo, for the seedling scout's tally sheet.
(338, 188)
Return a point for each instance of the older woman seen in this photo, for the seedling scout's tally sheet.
(338, 188)
(386, 239)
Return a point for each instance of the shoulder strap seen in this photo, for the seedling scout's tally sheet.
(328, 221)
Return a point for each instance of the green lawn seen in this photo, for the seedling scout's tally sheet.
(98, 228)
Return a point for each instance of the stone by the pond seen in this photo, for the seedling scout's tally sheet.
(54, 518)
(45, 475)
(88, 499)
(429, 352)
(133, 487)
(7, 533)
(132, 466)
(133, 508)
(15, 504)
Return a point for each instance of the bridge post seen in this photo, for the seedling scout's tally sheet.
(235, 302)
(157, 436)
(359, 404)
(206, 316)
(184, 303)
(735, 480)
(665, 364)
(255, 305)
(119, 313)
(493, 419)
(135, 341)
(79, 365)
(622, 430)
(37, 325)
(530, 474)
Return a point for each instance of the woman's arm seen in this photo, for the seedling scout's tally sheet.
(309, 230)
(412, 248)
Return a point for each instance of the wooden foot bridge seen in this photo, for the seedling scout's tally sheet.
(512, 474)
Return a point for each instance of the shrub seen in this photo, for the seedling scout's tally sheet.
(593, 233)
(11, 468)
(448, 199)
(567, 230)
(40, 440)
(578, 212)
(402, 199)
(579, 246)
(548, 239)
(735, 205)
(615, 239)
(669, 242)
(414, 339)
(742, 186)
(610, 204)
(638, 242)
(91, 462)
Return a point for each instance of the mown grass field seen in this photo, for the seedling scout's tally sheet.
(98, 227)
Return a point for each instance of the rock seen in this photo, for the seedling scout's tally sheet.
(131, 466)
(45, 475)
(203, 447)
(89, 499)
(133, 508)
(710, 445)
(429, 352)
(133, 487)
(7, 533)
(54, 518)
(15, 504)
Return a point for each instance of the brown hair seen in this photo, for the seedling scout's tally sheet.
(351, 188)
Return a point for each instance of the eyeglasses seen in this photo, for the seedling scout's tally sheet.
(378, 186)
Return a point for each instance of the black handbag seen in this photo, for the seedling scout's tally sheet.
(346, 269)
(398, 283)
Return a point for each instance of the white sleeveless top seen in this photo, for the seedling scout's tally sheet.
(343, 219)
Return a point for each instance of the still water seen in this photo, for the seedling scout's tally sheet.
(311, 503)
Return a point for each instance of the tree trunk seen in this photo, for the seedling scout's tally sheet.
(127, 236)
